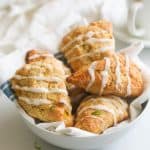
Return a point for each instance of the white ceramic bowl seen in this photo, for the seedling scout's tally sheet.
(84, 143)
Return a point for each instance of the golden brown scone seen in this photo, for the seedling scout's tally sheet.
(96, 114)
(40, 88)
(114, 75)
(86, 44)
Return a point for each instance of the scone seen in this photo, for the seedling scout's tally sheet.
(96, 114)
(40, 88)
(86, 44)
(115, 75)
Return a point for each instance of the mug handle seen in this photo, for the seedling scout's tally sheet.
(131, 22)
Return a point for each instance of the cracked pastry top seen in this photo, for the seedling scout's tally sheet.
(96, 114)
(40, 88)
(113, 75)
(86, 44)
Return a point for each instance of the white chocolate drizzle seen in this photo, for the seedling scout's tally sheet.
(40, 89)
(90, 53)
(113, 102)
(66, 103)
(105, 48)
(97, 40)
(92, 116)
(32, 66)
(91, 71)
(39, 55)
(94, 40)
(79, 37)
(105, 75)
(71, 42)
(100, 107)
(82, 56)
(44, 66)
(118, 73)
(121, 101)
(39, 78)
(128, 75)
(72, 50)
(35, 101)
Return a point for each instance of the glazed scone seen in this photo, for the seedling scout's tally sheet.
(40, 88)
(96, 114)
(86, 44)
(114, 75)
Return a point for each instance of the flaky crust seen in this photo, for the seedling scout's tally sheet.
(86, 44)
(40, 88)
(96, 114)
(113, 79)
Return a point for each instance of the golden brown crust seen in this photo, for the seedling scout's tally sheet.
(97, 120)
(37, 55)
(103, 24)
(86, 44)
(48, 113)
(40, 86)
(82, 78)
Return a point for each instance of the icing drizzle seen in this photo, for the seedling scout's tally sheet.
(31, 66)
(37, 101)
(92, 116)
(84, 55)
(66, 103)
(34, 101)
(38, 56)
(79, 37)
(39, 78)
(40, 89)
(94, 40)
(90, 53)
(128, 75)
(91, 71)
(100, 107)
(118, 73)
(105, 74)
(113, 102)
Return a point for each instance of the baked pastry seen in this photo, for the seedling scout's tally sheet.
(75, 93)
(114, 75)
(40, 88)
(96, 114)
(86, 44)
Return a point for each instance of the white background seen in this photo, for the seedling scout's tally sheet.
(14, 135)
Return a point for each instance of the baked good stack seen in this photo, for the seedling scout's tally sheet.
(110, 80)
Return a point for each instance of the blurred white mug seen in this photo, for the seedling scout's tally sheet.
(125, 14)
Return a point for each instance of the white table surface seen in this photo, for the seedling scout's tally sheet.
(14, 135)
